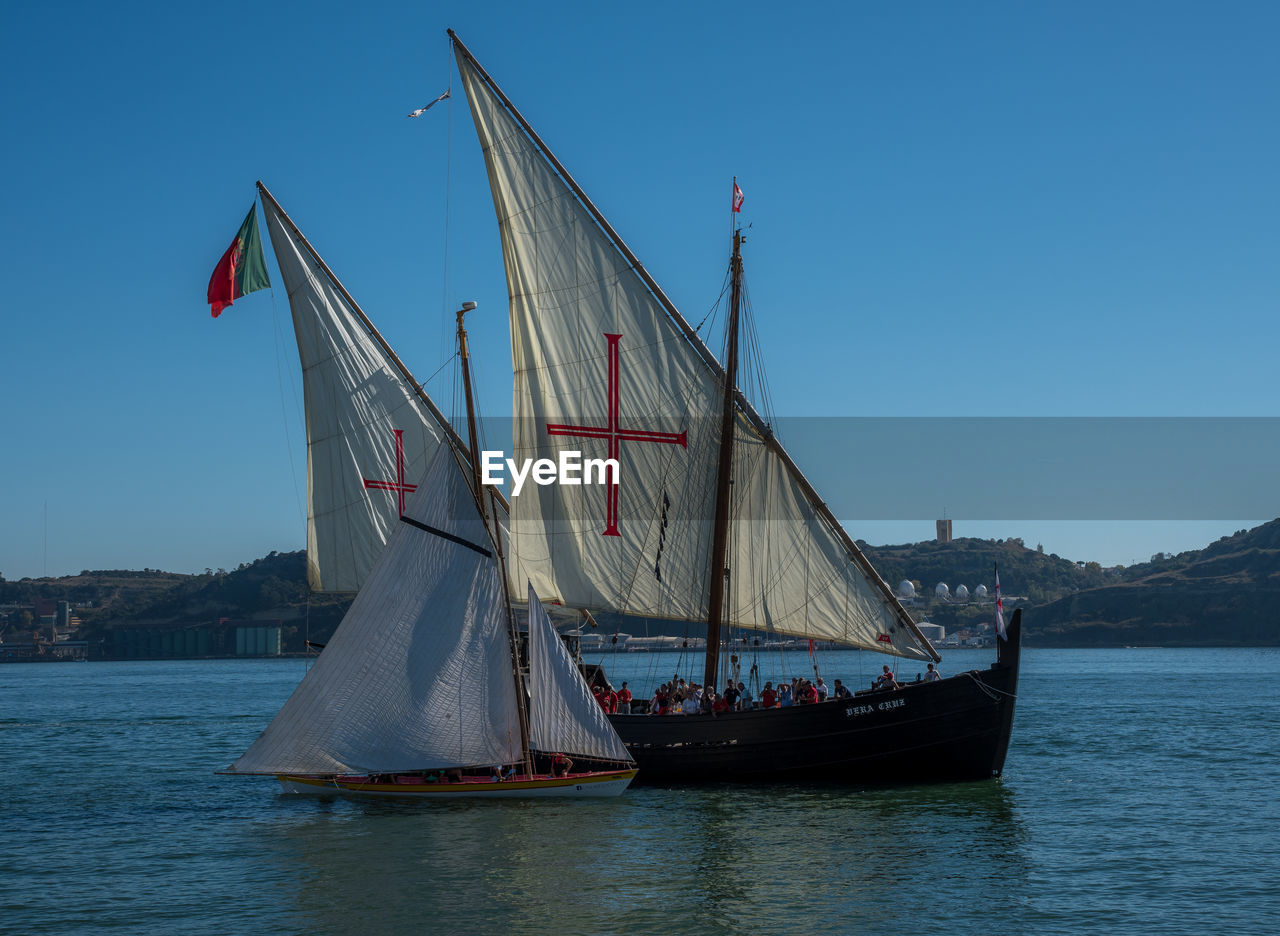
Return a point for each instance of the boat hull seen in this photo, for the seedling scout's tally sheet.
(594, 784)
(949, 730)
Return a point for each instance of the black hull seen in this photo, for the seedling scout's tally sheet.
(953, 729)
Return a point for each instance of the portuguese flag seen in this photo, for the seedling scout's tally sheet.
(241, 270)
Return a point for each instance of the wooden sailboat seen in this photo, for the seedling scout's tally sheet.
(420, 692)
(711, 519)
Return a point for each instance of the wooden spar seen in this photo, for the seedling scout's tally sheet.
(766, 432)
(451, 435)
(724, 479)
(477, 489)
(495, 534)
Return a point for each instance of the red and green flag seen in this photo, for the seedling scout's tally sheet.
(241, 270)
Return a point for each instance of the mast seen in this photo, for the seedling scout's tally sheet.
(451, 434)
(513, 634)
(476, 487)
(724, 480)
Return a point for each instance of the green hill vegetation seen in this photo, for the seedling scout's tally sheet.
(1031, 573)
(1227, 594)
(272, 588)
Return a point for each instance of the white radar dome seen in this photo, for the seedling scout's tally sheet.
(906, 589)
(942, 591)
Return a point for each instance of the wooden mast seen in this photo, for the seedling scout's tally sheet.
(476, 487)
(724, 479)
(513, 634)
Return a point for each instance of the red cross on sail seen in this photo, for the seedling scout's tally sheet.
(615, 434)
(398, 485)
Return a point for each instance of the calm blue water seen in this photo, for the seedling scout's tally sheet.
(1141, 795)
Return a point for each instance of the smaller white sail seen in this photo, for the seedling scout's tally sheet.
(563, 714)
(418, 674)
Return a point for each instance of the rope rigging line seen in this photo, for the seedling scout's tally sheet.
(306, 640)
(990, 691)
(757, 388)
(715, 306)
(447, 362)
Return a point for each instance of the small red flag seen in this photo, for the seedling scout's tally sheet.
(738, 197)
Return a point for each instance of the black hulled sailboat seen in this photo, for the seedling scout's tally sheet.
(709, 518)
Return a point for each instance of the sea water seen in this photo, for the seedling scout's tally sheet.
(1141, 795)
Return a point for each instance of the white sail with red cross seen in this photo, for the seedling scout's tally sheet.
(605, 366)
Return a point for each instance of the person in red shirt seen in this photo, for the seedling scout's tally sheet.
(768, 698)
(610, 699)
(624, 700)
(560, 765)
(886, 680)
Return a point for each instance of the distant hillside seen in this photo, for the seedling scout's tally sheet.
(270, 588)
(1249, 554)
(1028, 577)
(101, 587)
(965, 561)
(1227, 594)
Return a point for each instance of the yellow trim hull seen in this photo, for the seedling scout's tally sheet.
(605, 783)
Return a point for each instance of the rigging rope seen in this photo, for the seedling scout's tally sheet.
(990, 691)
(306, 642)
(715, 306)
(753, 675)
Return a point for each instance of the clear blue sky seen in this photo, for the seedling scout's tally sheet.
(959, 210)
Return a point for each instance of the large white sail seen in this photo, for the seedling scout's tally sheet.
(370, 433)
(418, 674)
(603, 368)
(563, 714)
